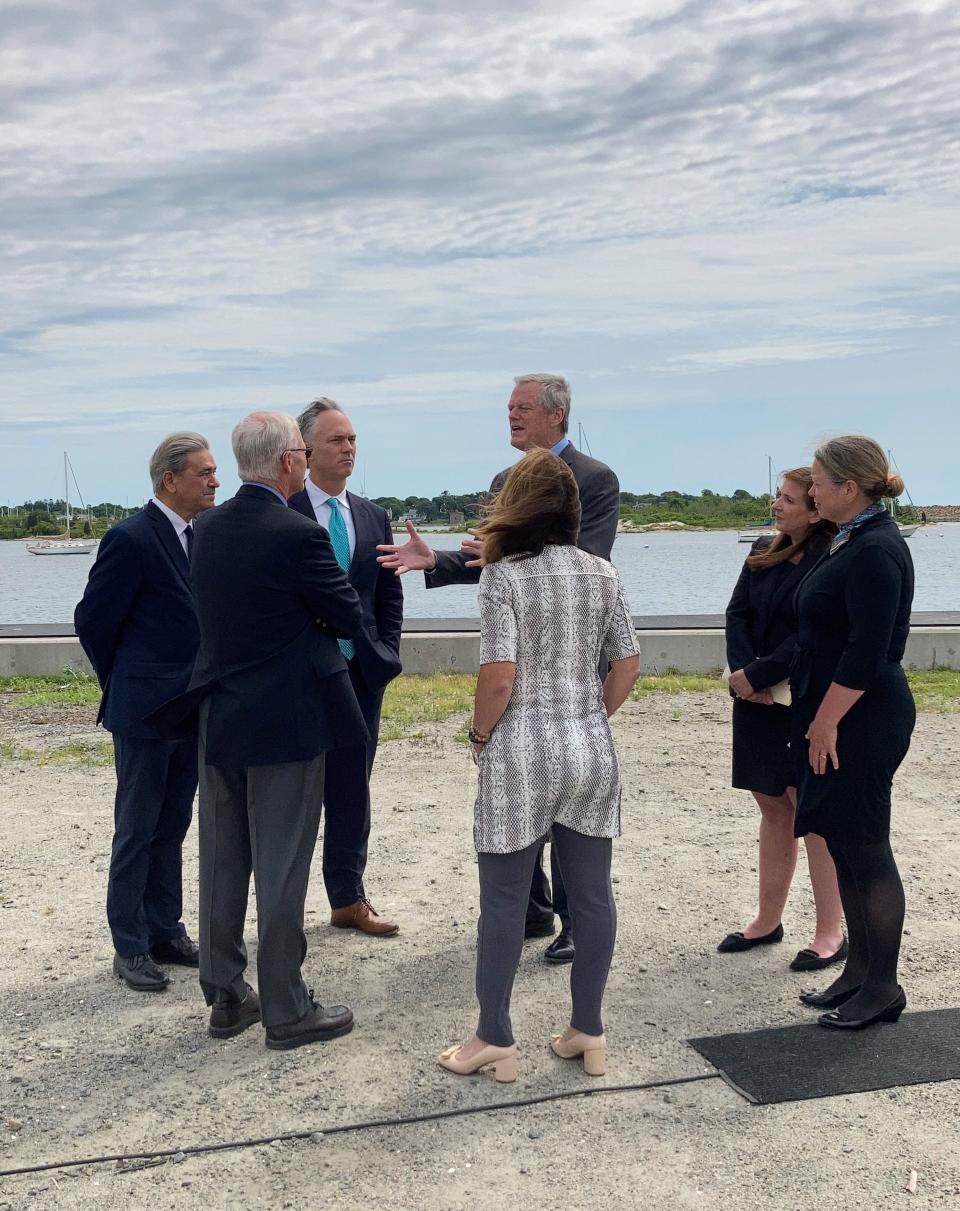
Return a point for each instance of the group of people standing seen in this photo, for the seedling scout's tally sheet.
(247, 648)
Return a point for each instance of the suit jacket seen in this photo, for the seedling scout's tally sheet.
(599, 515)
(271, 600)
(761, 626)
(137, 622)
(853, 610)
(379, 590)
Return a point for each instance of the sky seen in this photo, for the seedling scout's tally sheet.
(733, 226)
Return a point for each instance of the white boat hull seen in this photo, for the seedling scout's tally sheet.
(79, 546)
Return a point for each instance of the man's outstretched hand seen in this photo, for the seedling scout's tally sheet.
(413, 556)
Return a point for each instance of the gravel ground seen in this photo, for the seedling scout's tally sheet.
(90, 1068)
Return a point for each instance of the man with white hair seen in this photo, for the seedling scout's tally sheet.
(137, 624)
(274, 697)
(539, 416)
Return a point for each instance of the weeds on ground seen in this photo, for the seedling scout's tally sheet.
(70, 688)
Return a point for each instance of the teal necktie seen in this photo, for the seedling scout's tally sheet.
(340, 541)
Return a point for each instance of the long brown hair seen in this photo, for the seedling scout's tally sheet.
(539, 504)
(783, 547)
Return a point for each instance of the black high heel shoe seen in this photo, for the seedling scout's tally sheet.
(824, 1000)
(836, 1021)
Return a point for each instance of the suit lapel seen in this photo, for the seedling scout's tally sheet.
(364, 531)
(167, 538)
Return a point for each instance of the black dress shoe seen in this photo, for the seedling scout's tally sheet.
(736, 941)
(544, 927)
(140, 973)
(228, 1018)
(890, 1013)
(824, 1000)
(561, 949)
(182, 950)
(809, 960)
(316, 1026)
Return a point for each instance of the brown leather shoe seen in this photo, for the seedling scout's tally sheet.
(316, 1026)
(229, 1018)
(363, 916)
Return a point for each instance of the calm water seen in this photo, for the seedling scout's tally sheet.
(664, 573)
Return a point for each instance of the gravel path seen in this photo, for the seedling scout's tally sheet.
(89, 1068)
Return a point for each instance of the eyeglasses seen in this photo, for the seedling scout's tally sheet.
(308, 450)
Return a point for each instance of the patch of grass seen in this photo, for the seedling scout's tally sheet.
(69, 688)
(410, 701)
(936, 690)
(72, 752)
(677, 683)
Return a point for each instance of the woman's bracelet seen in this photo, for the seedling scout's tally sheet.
(478, 737)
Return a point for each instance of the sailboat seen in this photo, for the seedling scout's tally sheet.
(63, 544)
(755, 532)
(906, 531)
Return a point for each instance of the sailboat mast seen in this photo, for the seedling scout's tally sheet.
(66, 491)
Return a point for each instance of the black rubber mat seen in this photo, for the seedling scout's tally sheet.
(791, 1063)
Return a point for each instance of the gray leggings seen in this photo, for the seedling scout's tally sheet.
(504, 890)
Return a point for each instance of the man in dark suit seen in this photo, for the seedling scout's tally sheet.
(355, 527)
(274, 697)
(539, 415)
(137, 624)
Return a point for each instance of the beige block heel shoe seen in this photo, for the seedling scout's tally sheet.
(574, 1043)
(503, 1059)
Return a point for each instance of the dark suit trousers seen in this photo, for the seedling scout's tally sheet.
(346, 804)
(156, 782)
(262, 819)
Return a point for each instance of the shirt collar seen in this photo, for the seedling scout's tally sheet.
(561, 445)
(255, 483)
(319, 497)
(175, 519)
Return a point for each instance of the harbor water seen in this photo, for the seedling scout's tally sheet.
(664, 573)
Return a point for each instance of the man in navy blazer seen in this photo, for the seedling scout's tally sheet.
(137, 624)
(274, 699)
(373, 656)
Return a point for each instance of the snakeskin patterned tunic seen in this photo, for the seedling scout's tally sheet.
(551, 756)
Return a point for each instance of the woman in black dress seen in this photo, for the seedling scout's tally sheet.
(761, 636)
(853, 718)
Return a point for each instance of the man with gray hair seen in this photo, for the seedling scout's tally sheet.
(538, 414)
(274, 698)
(137, 624)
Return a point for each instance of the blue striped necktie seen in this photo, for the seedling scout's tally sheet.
(340, 541)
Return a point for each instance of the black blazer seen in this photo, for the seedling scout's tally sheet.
(271, 599)
(853, 610)
(137, 623)
(379, 590)
(761, 628)
(599, 516)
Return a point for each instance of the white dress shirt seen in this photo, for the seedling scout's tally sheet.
(321, 510)
(177, 522)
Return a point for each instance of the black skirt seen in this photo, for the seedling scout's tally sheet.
(761, 752)
(853, 802)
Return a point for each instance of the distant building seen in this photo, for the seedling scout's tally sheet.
(457, 518)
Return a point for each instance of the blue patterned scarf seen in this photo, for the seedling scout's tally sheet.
(844, 531)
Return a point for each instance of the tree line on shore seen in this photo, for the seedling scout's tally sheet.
(706, 510)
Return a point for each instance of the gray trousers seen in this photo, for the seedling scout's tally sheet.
(504, 891)
(261, 819)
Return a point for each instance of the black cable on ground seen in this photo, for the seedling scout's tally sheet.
(342, 1128)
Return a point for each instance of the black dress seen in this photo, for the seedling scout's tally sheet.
(853, 618)
(761, 638)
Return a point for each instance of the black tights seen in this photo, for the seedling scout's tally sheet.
(873, 905)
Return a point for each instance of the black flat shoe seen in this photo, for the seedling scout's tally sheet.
(736, 941)
(809, 960)
(140, 973)
(823, 1000)
(836, 1021)
(544, 928)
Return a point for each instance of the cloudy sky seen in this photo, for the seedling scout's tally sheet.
(734, 226)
